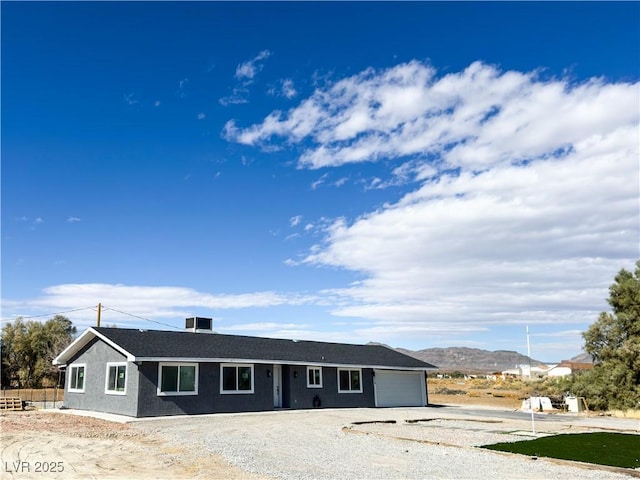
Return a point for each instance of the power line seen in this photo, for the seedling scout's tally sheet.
(141, 318)
(47, 314)
(90, 308)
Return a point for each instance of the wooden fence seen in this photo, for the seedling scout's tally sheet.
(50, 397)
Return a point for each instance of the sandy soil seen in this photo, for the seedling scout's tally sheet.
(45, 444)
(63, 446)
(475, 392)
(487, 401)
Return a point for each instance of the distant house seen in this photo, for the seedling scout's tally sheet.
(143, 373)
(567, 367)
(525, 371)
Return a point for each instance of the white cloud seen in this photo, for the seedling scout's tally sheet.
(73, 220)
(36, 221)
(535, 244)
(201, 116)
(249, 69)
(245, 73)
(238, 97)
(407, 172)
(285, 89)
(144, 301)
(341, 181)
(315, 184)
(475, 118)
(526, 197)
(130, 99)
(264, 327)
(182, 88)
(289, 331)
(294, 221)
(157, 103)
(323, 180)
(288, 90)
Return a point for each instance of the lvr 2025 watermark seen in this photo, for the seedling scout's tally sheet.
(21, 466)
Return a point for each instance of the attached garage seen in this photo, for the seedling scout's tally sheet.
(395, 388)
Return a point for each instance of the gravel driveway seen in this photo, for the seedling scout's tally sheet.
(355, 444)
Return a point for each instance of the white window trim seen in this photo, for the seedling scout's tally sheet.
(84, 379)
(176, 364)
(350, 370)
(234, 392)
(106, 380)
(311, 385)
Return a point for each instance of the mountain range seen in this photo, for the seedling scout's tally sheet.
(475, 360)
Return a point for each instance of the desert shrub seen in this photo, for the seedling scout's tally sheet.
(479, 383)
(449, 391)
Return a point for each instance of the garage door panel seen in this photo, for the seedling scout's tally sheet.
(399, 389)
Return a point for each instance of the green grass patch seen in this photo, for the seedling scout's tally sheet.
(614, 449)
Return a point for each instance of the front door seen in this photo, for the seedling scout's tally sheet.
(277, 386)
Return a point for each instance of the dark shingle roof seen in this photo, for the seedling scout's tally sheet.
(166, 344)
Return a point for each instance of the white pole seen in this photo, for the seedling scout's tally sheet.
(533, 421)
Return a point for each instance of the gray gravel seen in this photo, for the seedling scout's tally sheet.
(325, 444)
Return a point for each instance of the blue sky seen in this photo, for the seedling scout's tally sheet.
(417, 174)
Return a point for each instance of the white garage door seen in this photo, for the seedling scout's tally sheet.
(400, 389)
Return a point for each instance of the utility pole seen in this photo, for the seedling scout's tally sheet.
(99, 311)
(533, 421)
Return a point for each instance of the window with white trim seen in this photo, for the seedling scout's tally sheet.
(236, 378)
(314, 377)
(349, 380)
(76, 378)
(116, 378)
(178, 378)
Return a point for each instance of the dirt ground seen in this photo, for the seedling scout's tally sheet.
(46, 444)
(51, 444)
(474, 392)
(40, 443)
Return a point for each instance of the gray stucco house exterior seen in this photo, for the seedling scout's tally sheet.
(145, 373)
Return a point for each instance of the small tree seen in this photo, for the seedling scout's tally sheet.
(10, 361)
(57, 334)
(28, 350)
(614, 343)
(18, 355)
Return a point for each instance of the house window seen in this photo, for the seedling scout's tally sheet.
(314, 377)
(349, 380)
(76, 380)
(178, 379)
(116, 378)
(236, 378)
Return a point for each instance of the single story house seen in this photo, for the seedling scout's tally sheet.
(146, 373)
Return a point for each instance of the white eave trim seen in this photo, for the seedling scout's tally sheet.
(84, 339)
(276, 361)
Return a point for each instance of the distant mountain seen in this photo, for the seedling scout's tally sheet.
(583, 357)
(471, 360)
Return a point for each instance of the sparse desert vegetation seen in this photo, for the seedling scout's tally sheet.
(475, 391)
